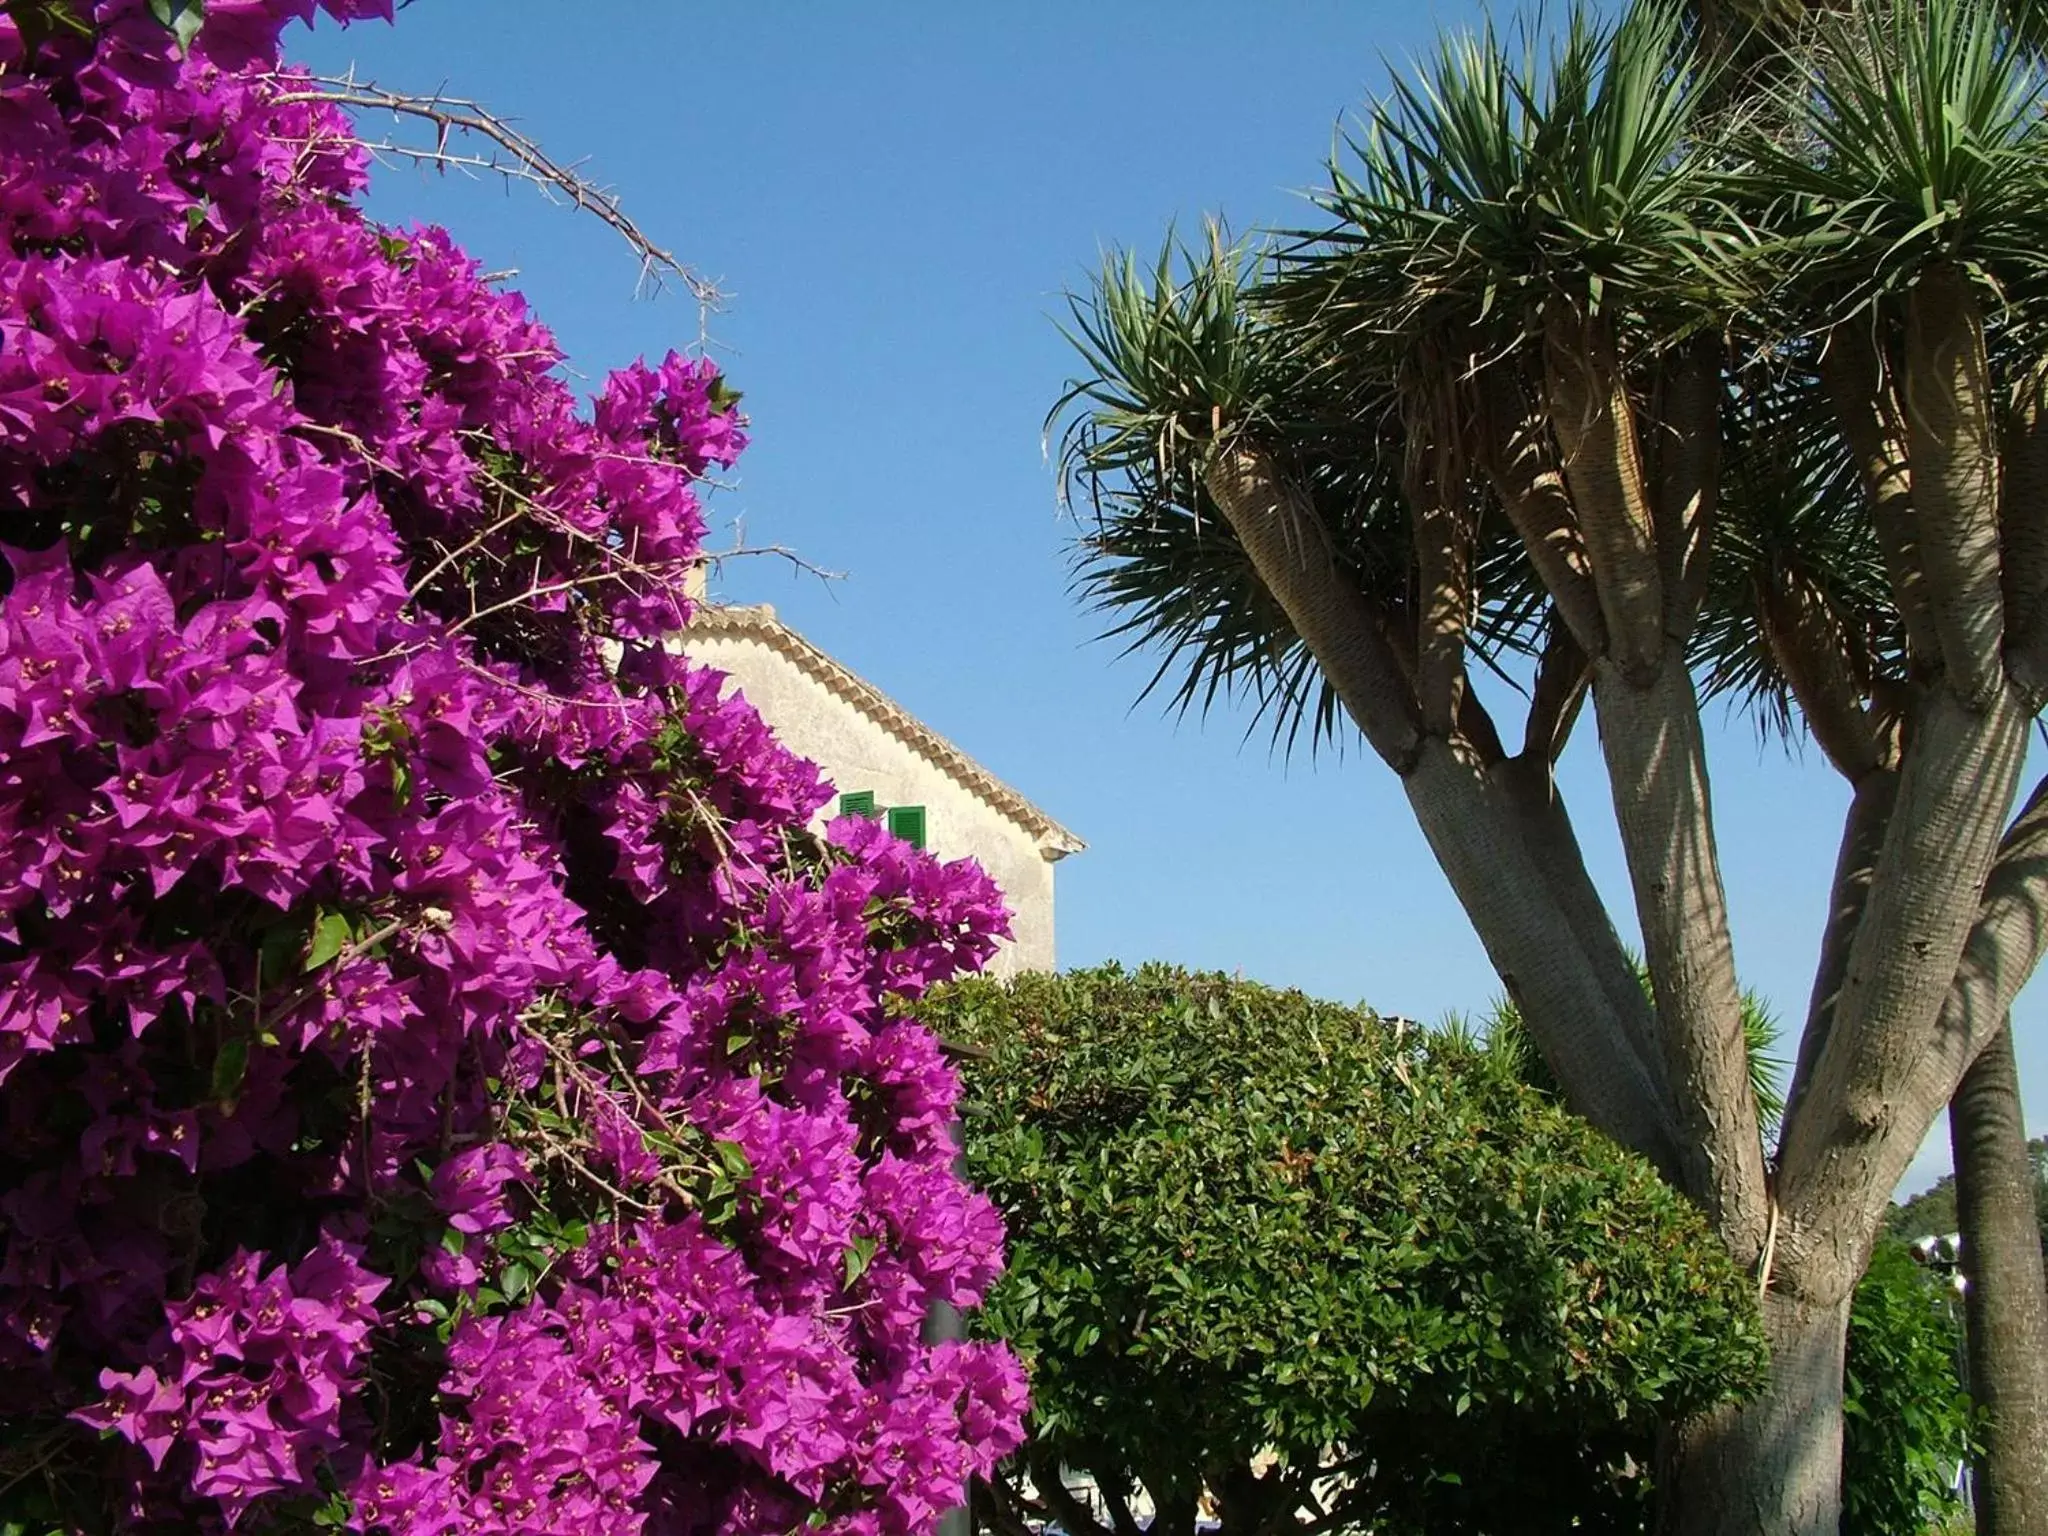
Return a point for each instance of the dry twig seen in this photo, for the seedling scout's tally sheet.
(514, 156)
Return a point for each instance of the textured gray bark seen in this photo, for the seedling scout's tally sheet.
(1952, 444)
(1588, 406)
(1656, 763)
(1772, 1467)
(2004, 947)
(1870, 811)
(1852, 368)
(2007, 1301)
(1546, 829)
(1859, 1123)
(1538, 956)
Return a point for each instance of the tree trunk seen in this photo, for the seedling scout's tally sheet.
(1656, 764)
(1537, 954)
(1773, 1466)
(2007, 1301)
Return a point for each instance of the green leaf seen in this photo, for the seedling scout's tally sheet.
(332, 933)
(183, 17)
(230, 1067)
(732, 1157)
(859, 1254)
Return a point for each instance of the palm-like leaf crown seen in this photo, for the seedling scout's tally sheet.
(1576, 172)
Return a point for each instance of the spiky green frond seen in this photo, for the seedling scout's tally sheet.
(1173, 359)
(1498, 181)
(1918, 137)
(1178, 359)
(1511, 1049)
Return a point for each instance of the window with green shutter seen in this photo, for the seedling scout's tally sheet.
(859, 803)
(907, 822)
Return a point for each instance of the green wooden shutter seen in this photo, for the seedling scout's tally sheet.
(907, 822)
(859, 803)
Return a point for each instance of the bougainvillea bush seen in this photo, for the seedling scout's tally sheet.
(444, 1086)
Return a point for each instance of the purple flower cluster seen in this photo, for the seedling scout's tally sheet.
(444, 1083)
(252, 1374)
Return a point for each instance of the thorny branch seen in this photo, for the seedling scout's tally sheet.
(515, 157)
(742, 549)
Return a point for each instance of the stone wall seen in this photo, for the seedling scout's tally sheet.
(858, 753)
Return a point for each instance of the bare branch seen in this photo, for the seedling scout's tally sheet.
(1863, 830)
(516, 157)
(1810, 644)
(1073, 1517)
(1475, 725)
(741, 550)
(1443, 560)
(1475, 839)
(1960, 770)
(2023, 529)
(1656, 766)
(1289, 548)
(1559, 691)
(1522, 470)
(993, 1502)
(1853, 370)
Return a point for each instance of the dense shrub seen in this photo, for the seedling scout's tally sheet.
(443, 1084)
(1243, 1221)
(1906, 1416)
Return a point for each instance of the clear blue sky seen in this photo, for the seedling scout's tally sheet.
(895, 197)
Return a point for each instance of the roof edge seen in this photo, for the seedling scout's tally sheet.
(1054, 841)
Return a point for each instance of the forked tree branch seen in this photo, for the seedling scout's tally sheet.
(1276, 523)
(1809, 642)
(2004, 949)
(1651, 738)
(2023, 533)
(1870, 811)
(1443, 563)
(1072, 1516)
(1556, 696)
(1960, 770)
(1472, 829)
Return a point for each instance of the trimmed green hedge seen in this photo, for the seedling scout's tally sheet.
(1243, 1220)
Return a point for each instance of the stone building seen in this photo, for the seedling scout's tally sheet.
(886, 763)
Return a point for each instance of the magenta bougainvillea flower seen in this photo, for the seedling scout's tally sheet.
(445, 1086)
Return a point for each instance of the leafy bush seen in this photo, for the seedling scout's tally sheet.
(443, 1083)
(1253, 1230)
(1906, 1417)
